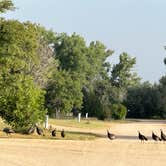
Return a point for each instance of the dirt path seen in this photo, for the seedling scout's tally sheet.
(124, 151)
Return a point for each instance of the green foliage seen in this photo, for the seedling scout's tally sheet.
(97, 100)
(71, 53)
(144, 101)
(86, 65)
(119, 111)
(122, 75)
(63, 93)
(75, 56)
(46, 64)
(162, 97)
(6, 5)
(21, 102)
(19, 45)
(97, 59)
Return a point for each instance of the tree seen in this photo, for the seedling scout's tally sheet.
(71, 52)
(75, 56)
(143, 101)
(97, 59)
(162, 97)
(63, 93)
(122, 75)
(21, 101)
(119, 111)
(97, 99)
(85, 64)
(20, 43)
(46, 63)
(6, 5)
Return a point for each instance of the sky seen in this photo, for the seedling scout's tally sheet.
(137, 27)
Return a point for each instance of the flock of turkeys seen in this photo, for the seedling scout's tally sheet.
(111, 136)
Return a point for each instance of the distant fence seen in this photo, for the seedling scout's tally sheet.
(63, 116)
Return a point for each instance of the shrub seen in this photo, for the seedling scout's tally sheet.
(21, 101)
(119, 111)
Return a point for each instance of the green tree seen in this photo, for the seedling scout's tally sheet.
(46, 63)
(20, 43)
(71, 52)
(21, 102)
(162, 97)
(119, 111)
(63, 93)
(144, 101)
(122, 75)
(6, 5)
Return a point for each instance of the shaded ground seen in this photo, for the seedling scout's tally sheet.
(126, 150)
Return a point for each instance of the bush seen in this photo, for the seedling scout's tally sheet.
(21, 101)
(119, 111)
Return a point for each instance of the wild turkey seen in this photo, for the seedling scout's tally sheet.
(163, 136)
(39, 131)
(142, 137)
(53, 133)
(110, 135)
(63, 133)
(31, 130)
(8, 131)
(155, 137)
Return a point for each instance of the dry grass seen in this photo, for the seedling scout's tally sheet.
(84, 123)
(70, 135)
(126, 150)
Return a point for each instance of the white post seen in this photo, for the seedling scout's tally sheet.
(86, 115)
(79, 117)
(46, 122)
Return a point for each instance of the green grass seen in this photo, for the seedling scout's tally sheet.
(87, 124)
(84, 123)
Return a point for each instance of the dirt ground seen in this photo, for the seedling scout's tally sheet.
(126, 150)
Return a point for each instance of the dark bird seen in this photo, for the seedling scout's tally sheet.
(142, 137)
(110, 135)
(155, 137)
(163, 136)
(53, 133)
(63, 133)
(39, 131)
(8, 131)
(31, 130)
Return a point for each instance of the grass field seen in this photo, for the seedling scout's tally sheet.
(91, 123)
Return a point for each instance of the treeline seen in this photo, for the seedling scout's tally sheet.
(44, 72)
(147, 100)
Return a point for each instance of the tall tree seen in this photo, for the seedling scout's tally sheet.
(122, 75)
(20, 99)
(6, 5)
(19, 45)
(46, 63)
(143, 101)
(63, 93)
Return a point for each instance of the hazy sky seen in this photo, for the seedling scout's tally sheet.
(137, 27)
